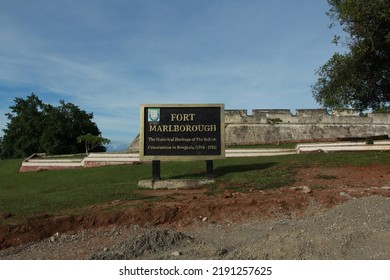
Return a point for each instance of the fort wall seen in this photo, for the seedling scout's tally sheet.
(265, 126)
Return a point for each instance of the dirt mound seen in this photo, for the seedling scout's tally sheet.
(146, 245)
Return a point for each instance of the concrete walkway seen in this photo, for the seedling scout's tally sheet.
(382, 145)
(100, 159)
(256, 152)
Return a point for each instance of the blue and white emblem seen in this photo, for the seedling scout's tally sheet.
(153, 114)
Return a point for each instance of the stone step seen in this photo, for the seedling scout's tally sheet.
(231, 153)
(54, 161)
(112, 155)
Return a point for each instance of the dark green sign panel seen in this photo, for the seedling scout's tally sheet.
(182, 132)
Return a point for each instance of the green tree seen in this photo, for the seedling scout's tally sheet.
(63, 125)
(22, 133)
(92, 141)
(359, 78)
(37, 127)
(1, 147)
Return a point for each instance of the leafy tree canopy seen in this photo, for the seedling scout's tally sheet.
(1, 147)
(38, 127)
(359, 78)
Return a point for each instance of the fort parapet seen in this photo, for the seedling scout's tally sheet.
(266, 126)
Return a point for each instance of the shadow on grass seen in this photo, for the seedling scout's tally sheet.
(224, 170)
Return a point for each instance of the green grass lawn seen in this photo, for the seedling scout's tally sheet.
(25, 194)
(63, 191)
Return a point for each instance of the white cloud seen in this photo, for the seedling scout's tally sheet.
(110, 58)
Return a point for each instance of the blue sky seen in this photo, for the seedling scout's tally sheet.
(108, 57)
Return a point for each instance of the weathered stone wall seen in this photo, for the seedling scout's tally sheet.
(307, 125)
(278, 126)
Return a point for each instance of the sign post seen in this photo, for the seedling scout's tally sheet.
(171, 132)
(156, 170)
(209, 169)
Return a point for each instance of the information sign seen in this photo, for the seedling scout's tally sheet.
(182, 132)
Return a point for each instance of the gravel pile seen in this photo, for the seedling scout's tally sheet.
(154, 242)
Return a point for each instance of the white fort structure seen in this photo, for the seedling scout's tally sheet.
(278, 126)
(273, 126)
